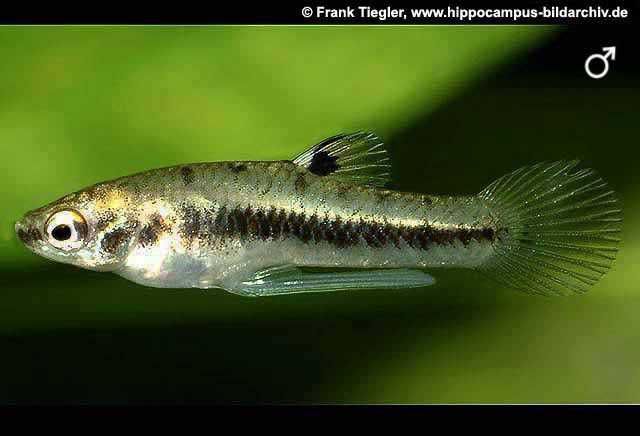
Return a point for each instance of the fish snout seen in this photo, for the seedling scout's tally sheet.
(28, 233)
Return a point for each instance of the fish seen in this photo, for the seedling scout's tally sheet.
(328, 221)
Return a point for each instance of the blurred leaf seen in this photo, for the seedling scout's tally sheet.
(84, 104)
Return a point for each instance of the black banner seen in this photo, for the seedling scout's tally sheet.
(324, 13)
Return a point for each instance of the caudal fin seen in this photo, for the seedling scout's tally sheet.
(561, 228)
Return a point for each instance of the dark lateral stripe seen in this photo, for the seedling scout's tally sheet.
(249, 223)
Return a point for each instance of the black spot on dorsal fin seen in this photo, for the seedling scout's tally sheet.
(353, 158)
(323, 164)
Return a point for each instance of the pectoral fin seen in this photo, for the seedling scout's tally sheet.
(291, 280)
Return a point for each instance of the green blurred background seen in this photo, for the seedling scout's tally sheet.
(459, 107)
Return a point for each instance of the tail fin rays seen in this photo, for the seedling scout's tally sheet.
(560, 228)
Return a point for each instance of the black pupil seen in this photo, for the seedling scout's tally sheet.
(61, 232)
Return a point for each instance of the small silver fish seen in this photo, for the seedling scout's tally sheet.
(265, 228)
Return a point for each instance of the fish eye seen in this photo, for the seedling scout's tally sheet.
(66, 230)
(61, 232)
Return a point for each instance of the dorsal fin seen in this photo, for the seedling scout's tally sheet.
(353, 158)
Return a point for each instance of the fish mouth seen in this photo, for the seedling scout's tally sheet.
(27, 234)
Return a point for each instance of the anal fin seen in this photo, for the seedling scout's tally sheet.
(292, 280)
